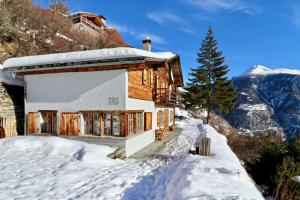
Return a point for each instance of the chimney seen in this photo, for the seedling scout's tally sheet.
(147, 44)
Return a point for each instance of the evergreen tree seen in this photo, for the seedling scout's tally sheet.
(208, 87)
(59, 6)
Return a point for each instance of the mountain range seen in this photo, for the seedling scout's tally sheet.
(268, 102)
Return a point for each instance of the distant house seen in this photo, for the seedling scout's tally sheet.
(11, 105)
(118, 92)
(96, 25)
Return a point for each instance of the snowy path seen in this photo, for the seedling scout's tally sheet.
(153, 186)
(56, 168)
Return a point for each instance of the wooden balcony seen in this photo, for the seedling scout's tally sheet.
(165, 97)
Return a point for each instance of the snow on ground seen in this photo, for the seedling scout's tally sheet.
(56, 168)
(217, 177)
(253, 107)
(181, 112)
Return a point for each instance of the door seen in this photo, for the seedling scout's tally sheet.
(49, 122)
(32, 122)
(69, 124)
(166, 119)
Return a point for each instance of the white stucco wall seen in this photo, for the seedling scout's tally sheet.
(147, 106)
(71, 92)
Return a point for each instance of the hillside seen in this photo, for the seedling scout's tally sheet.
(268, 101)
(26, 29)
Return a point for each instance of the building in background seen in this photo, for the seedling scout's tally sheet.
(96, 26)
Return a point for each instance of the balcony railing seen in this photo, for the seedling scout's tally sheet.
(166, 97)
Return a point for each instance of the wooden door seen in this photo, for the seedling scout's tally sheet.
(69, 124)
(166, 117)
(32, 122)
(2, 133)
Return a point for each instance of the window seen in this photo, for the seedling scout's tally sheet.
(93, 123)
(107, 124)
(135, 123)
(130, 123)
(116, 125)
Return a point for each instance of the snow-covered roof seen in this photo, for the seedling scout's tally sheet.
(262, 70)
(9, 78)
(100, 54)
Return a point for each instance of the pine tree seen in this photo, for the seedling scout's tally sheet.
(59, 6)
(208, 87)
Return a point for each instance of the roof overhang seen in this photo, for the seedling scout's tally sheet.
(84, 64)
(177, 71)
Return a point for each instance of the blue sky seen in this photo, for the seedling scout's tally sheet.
(248, 32)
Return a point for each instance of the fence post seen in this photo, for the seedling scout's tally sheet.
(204, 149)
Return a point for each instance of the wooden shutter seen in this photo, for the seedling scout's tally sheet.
(147, 121)
(151, 78)
(124, 125)
(32, 122)
(158, 119)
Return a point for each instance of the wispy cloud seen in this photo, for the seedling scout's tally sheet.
(138, 35)
(226, 5)
(168, 17)
(162, 17)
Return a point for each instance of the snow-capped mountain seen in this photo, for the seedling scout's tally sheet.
(268, 101)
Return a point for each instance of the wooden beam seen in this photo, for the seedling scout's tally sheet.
(113, 111)
(85, 69)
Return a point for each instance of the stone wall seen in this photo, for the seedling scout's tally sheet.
(12, 109)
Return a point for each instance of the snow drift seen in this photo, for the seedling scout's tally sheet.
(56, 168)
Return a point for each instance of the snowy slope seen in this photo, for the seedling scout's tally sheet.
(217, 177)
(56, 168)
(262, 70)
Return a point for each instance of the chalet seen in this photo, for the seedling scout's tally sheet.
(96, 26)
(119, 92)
